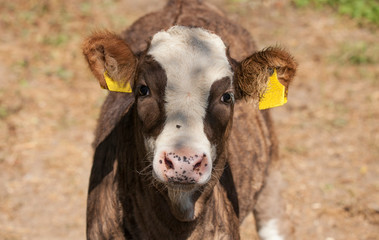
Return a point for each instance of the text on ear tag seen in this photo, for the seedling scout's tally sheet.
(116, 86)
(275, 94)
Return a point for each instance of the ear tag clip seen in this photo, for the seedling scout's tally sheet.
(275, 94)
(115, 86)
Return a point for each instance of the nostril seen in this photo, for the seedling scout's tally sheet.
(197, 166)
(169, 164)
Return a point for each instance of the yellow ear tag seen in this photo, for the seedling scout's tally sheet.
(275, 94)
(115, 86)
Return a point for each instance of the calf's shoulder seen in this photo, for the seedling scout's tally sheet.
(252, 146)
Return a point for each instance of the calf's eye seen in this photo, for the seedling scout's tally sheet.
(143, 90)
(227, 97)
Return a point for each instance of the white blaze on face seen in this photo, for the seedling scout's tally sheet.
(193, 60)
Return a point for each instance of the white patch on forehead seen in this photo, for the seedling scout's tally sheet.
(193, 60)
(192, 56)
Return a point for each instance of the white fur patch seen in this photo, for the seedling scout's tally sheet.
(269, 231)
(193, 60)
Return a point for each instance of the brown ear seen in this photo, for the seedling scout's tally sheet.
(252, 74)
(107, 52)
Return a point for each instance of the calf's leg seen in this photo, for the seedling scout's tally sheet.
(270, 214)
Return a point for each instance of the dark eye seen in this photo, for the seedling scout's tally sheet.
(227, 97)
(143, 90)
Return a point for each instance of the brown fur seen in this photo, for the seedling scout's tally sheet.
(252, 74)
(122, 201)
(106, 51)
(149, 109)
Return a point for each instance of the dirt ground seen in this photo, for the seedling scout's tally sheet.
(49, 103)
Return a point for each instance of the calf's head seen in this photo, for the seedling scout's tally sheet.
(185, 86)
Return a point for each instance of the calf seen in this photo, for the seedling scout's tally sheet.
(183, 155)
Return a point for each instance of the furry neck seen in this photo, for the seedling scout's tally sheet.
(148, 206)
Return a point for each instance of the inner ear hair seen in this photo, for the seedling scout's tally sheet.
(252, 73)
(107, 52)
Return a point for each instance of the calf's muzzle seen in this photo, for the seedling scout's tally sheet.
(184, 167)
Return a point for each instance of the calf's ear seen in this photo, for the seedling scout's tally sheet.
(252, 74)
(110, 60)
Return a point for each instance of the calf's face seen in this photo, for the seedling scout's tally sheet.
(185, 87)
(197, 100)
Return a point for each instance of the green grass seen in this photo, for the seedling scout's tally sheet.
(361, 10)
(357, 53)
(64, 74)
(56, 40)
(3, 112)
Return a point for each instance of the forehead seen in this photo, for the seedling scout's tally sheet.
(192, 59)
(190, 55)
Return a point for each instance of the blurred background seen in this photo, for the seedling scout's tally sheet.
(328, 131)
